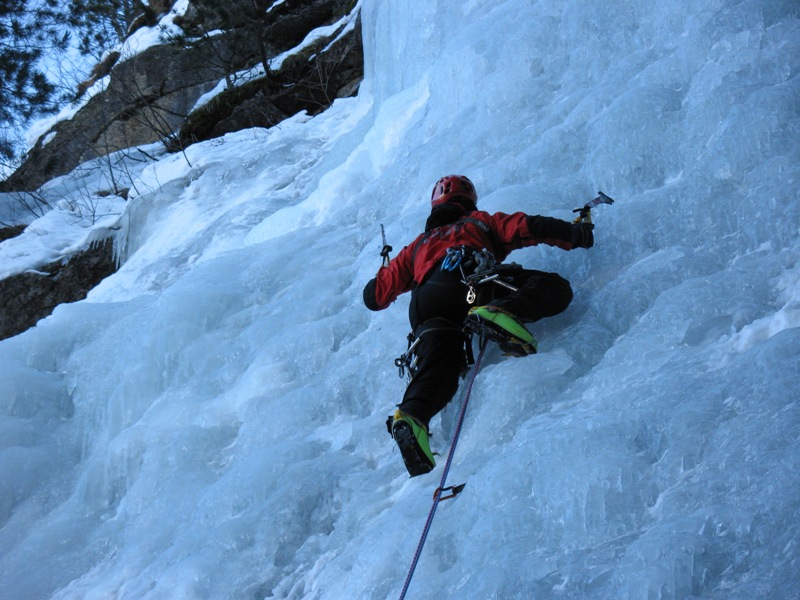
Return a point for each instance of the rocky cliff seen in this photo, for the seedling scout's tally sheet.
(27, 297)
(150, 96)
(153, 96)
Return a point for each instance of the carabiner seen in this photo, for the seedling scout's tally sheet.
(453, 259)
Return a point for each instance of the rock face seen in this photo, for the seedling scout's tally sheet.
(309, 81)
(150, 97)
(6, 233)
(27, 297)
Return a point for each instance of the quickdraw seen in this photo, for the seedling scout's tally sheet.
(454, 490)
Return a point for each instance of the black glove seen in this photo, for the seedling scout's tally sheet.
(582, 236)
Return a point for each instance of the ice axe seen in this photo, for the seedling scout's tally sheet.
(585, 213)
(386, 249)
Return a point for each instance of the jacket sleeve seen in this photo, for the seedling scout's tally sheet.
(390, 282)
(550, 231)
(520, 230)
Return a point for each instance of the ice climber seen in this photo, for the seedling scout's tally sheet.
(434, 268)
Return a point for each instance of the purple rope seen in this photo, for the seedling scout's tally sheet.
(447, 464)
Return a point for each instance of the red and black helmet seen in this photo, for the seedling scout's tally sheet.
(451, 187)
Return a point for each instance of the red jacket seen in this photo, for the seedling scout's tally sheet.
(504, 234)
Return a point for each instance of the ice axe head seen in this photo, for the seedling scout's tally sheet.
(585, 212)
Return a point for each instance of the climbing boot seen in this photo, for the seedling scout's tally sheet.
(412, 439)
(501, 327)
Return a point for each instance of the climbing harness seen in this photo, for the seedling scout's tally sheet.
(485, 269)
(484, 266)
(407, 362)
(454, 490)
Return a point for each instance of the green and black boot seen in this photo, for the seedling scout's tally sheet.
(501, 327)
(412, 439)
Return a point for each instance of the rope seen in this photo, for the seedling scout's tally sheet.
(438, 494)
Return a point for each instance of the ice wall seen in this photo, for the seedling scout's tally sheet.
(209, 423)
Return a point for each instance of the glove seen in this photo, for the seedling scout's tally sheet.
(582, 236)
